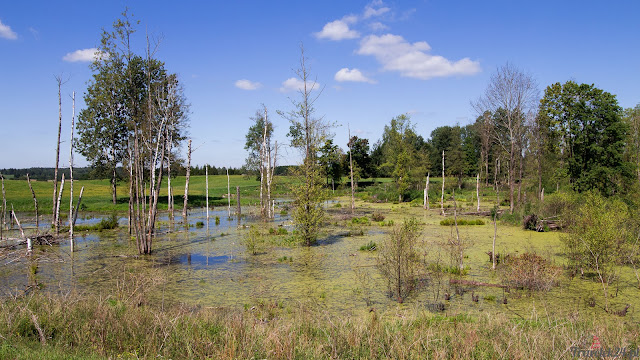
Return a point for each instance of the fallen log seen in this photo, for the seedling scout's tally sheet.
(475, 283)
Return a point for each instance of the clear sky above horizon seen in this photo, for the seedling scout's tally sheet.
(375, 60)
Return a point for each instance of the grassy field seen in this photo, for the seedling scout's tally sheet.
(88, 327)
(97, 193)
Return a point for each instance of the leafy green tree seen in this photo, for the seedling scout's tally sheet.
(361, 158)
(307, 133)
(631, 117)
(331, 159)
(403, 153)
(102, 126)
(253, 140)
(587, 125)
(449, 139)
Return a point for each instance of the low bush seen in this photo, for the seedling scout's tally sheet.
(530, 271)
(451, 222)
(371, 246)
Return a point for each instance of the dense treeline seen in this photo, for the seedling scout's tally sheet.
(575, 136)
(46, 174)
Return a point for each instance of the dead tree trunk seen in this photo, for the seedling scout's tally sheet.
(28, 240)
(442, 197)
(206, 192)
(35, 203)
(186, 185)
(3, 214)
(75, 214)
(57, 226)
(73, 117)
(228, 193)
(55, 220)
(478, 190)
(239, 209)
(353, 204)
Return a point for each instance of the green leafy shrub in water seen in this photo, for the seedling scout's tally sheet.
(450, 222)
(282, 231)
(338, 205)
(217, 220)
(105, 224)
(371, 246)
(200, 224)
(253, 240)
(360, 220)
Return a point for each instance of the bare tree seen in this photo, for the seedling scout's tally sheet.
(442, 197)
(55, 221)
(186, 185)
(353, 204)
(3, 213)
(71, 217)
(510, 95)
(35, 203)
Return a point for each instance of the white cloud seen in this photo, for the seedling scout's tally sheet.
(295, 84)
(369, 11)
(82, 55)
(378, 26)
(6, 32)
(338, 30)
(394, 53)
(346, 74)
(247, 85)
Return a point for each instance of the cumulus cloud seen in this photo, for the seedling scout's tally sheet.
(247, 85)
(338, 30)
(6, 32)
(395, 53)
(82, 55)
(370, 11)
(346, 74)
(295, 84)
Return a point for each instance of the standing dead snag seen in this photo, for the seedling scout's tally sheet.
(73, 116)
(228, 193)
(239, 209)
(206, 192)
(442, 198)
(353, 204)
(55, 221)
(186, 185)
(478, 190)
(426, 193)
(57, 215)
(3, 213)
(35, 202)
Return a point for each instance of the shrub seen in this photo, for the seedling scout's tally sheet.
(200, 224)
(398, 259)
(451, 222)
(253, 240)
(360, 220)
(530, 271)
(377, 216)
(282, 231)
(371, 246)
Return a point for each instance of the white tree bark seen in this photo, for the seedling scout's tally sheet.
(206, 185)
(478, 190)
(35, 203)
(442, 198)
(353, 203)
(57, 215)
(228, 193)
(186, 185)
(73, 117)
(28, 240)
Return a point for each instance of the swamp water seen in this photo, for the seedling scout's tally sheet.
(210, 267)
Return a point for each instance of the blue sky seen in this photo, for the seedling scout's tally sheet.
(375, 60)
